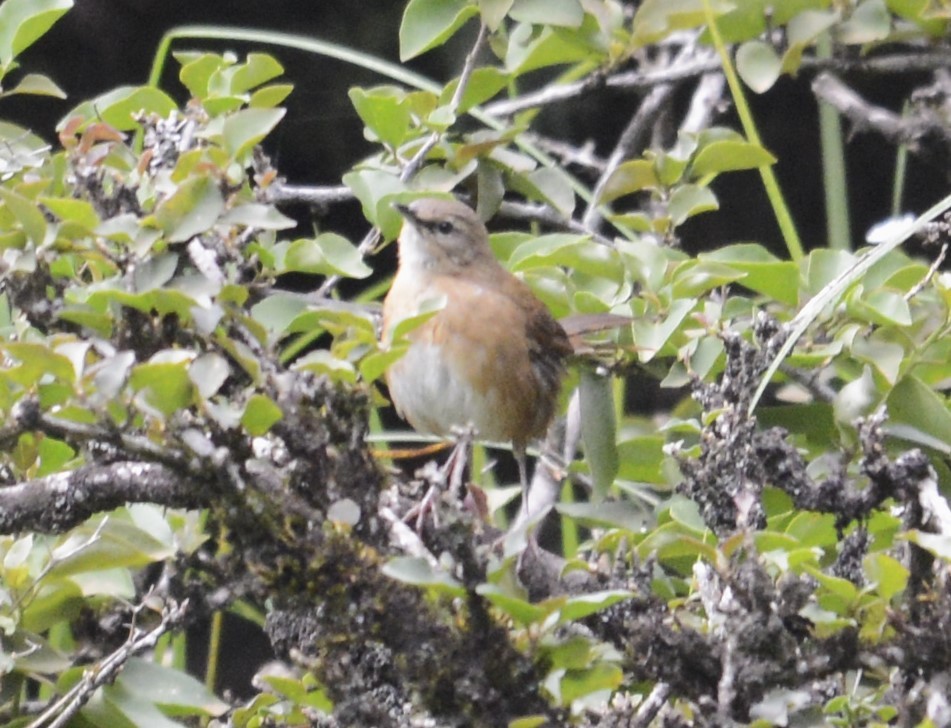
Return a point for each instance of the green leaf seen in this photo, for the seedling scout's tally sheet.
(607, 514)
(374, 365)
(650, 337)
(656, 19)
(545, 250)
(278, 310)
(599, 430)
(23, 22)
(197, 69)
(494, 12)
(260, 415)
(36, 84)
(325, 363)
(765, 273)
(36, 362)
(154, 272)
(728, 156)
(259, 68)
(689, 200)
(888, 574)
(825, 265)
(484, 83)
(375, 189)
(327, 254)
(166, 385)
(758, 65)
(116, 544)
(600, 678)
(78, 212)
(58, 600)
(174, 690)
(686, 513)
(522, 611)
(116, 107)
(243, 129)
(641, 458)
(802, 31)
(568, 13)
(417, 571)
(529, 51)
(839, 594)
(257, 215)
(192, 209)
(53, 455)
(384, 111)
(880, 307)
(869, 22)
(26, 213)
(270, 96)
(579, 607)
(208, 372)
(632, 176)
(920, 411)
(429, 23)
(546, 184)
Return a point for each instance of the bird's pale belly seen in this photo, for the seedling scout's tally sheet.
(435, 399)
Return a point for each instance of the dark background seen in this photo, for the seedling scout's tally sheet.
(102, 44)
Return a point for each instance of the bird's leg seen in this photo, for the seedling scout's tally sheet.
(455, 468)
(522, 461)
(449, 476)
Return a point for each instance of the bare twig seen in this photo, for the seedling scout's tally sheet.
(864, 116)
(281, 194)
(414, 164)
(633, 80)
(641, 80)
(131, 444)
(704, 102)
(810, 380)
(935, 267)
(632, 140)
(547, 216)
(66, 708)
(651, 706)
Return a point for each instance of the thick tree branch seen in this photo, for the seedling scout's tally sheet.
(62, 500)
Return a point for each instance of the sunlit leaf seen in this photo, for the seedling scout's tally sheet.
(428, 23)
(22, 22)
(116, 108)
(192, 209)
(417, 571)
(245, 128)
(260, 414)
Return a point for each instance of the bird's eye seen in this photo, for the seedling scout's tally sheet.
(444, 227)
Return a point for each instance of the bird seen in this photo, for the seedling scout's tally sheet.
(492, 358)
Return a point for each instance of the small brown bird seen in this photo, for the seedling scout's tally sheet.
(493, 357)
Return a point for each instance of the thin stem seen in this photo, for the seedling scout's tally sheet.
(214, 650)
(414, 164)
(838, 229)
(901, 172)
(783, 218)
